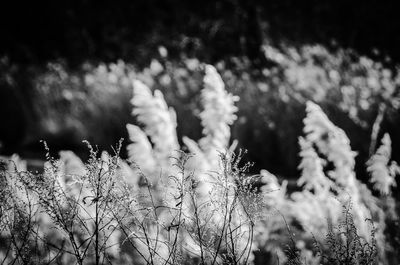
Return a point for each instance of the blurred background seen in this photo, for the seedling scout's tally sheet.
(66, 66)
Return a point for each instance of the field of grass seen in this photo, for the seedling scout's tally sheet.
(179, 189)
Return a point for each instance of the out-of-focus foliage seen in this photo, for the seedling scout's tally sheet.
(71, 104)
(361, 93)
(382, 170)
(355, 83)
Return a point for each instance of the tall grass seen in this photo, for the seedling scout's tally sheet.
(166, 206)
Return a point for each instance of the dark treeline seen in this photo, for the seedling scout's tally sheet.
(81, 30)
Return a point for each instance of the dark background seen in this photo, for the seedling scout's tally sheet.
(38, 31)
